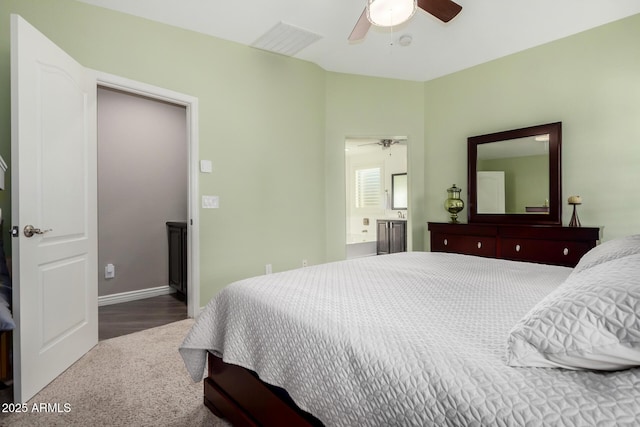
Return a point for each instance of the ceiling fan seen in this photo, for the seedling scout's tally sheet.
(385, 143)
(378, 12)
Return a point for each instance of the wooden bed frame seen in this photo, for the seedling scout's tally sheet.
(5, 357)
(239, 396)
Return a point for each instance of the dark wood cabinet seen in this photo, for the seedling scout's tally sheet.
(392, 236)
(177, 235)
(546, 244)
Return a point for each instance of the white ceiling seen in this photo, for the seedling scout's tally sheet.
(484, 30)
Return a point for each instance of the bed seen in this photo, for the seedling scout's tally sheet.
(425, 339)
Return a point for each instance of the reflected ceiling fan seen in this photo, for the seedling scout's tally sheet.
(388, 13)
(385, 143)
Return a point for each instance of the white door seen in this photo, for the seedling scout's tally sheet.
(490, 192)
(53, 162)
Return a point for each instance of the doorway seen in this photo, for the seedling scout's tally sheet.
(142, 188)
(174, 168)
(371, 163)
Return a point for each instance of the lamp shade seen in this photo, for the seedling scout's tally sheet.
(387, 13)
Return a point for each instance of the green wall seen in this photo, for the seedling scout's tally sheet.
(261, 123)
(589, 81)
(526, 180)
(274, 127)
(367, 106)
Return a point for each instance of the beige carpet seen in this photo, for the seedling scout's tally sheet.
(132, 380)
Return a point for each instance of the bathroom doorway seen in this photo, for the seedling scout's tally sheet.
(176, 168)
(376, 179)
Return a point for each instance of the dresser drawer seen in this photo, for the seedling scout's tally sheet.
(462, 244)
(558, 252)
(532, 243)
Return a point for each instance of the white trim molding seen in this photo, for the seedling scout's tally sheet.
(134, 295)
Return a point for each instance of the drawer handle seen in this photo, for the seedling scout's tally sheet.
(479, 245)
(446, 242)
(565, 251)
(517, 248)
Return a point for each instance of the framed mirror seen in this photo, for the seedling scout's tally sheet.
(514, 176)
(399, 191)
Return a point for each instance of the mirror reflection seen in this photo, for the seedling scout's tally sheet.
(399, 191)
(527, 162)
(513, 176)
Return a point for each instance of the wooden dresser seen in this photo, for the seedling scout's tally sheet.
(546, 244)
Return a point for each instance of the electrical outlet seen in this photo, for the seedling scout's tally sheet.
(305, 263)
(267, 269)
(109, 271)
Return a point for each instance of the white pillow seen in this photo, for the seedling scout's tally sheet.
(591, 321)
(609, 250)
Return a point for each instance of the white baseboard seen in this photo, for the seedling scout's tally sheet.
(134, 295)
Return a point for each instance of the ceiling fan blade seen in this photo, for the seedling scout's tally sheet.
(444, 10)
(361, 28)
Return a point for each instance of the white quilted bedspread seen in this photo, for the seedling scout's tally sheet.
(411, 339)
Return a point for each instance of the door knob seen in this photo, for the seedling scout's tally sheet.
(30, 230)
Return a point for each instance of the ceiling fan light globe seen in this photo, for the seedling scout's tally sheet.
(388, 13)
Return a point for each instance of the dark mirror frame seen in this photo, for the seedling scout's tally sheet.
(554, 217)
(393, 192)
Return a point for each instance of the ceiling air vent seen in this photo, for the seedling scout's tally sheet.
(286, 39)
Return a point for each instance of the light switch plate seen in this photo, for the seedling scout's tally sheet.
(210, 202)
(206, 166)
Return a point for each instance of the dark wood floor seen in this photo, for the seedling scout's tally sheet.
(127, 317)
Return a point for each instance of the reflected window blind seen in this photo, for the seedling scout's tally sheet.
(368, 188)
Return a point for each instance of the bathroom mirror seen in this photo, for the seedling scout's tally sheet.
(514, 176)
(399, 191)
